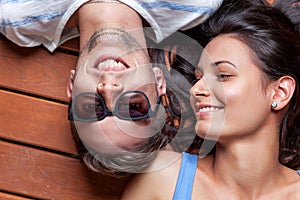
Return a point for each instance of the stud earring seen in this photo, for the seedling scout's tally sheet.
(274, 104)
(101, 84)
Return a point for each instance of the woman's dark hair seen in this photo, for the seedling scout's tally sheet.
(273, 39)
(180, 99)
(290, 9)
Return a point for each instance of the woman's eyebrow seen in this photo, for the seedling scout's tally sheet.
(224, 61)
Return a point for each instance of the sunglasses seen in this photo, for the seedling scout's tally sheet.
(130, 105)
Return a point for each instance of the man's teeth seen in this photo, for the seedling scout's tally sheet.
(112, 64)
(208, 109)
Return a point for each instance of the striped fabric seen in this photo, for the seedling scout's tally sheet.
(35, 22)
(169, 16)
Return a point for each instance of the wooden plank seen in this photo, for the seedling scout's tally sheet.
(71, 45)
(35, 121)
(46, 175)
(35, 70)
(4, 196)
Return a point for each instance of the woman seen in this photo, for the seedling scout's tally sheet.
(246, 98)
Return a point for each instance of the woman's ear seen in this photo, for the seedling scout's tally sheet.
(160, 81)
(284, 89)
(70, 84)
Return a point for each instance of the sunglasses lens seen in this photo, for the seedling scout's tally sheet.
(87, 107)
(133, 106)
(90, 107)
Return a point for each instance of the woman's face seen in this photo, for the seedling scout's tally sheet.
(229, 98)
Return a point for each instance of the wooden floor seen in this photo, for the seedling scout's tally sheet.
(38, 159)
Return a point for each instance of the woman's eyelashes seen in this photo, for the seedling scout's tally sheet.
(198, 76)
(223, 76)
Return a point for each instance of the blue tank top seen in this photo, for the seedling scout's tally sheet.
(185, 180)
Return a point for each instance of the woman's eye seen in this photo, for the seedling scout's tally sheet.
(223, 77)
(195, 81)
(197, 78)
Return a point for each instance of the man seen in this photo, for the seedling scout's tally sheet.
(113, 63)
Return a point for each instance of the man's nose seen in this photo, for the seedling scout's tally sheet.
(109, 90)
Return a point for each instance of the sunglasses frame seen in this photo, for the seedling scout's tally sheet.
(107, 112)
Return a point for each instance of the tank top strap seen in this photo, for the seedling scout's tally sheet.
(185, 180)
(298, 171)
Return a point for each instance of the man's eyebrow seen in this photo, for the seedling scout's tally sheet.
(224, 61)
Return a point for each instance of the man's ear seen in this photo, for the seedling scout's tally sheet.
(284, 89)
(160, 81)
(70, 84)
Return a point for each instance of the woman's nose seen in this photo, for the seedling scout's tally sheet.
(200, 89)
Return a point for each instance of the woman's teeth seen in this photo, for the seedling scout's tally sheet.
(208, 109)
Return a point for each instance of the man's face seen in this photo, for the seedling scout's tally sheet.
(114, 62)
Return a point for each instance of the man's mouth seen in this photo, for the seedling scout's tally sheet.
(111, 64)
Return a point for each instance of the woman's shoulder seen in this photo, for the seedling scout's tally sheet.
(294, 189)
(165, 160)
(162, 174)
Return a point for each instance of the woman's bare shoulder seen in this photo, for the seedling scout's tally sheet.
(295, 189)
(158, 181)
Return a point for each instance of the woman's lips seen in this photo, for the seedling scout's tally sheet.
(206, 109)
